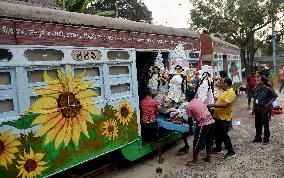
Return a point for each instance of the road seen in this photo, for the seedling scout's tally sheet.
(252, 160)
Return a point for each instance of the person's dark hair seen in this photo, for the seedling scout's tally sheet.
(144, 93)
(190, 93)
(263, 79)
(228, 81)
(223, 74)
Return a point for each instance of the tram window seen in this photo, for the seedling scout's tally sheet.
(193, 55)
(44, 55)
(215, 56)
(5, 55)
(91, 72)
(37, 75)
(6, 105)
(116, 70)
(120, 88)
(115, 55)
(5, 78)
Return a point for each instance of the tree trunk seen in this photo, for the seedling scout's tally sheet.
(243, 58)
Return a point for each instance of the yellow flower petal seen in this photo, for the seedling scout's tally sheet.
(89, 118)
(9, 160)
(86, 94)
(80, 86)
(44, 102)
(75, 132)
(11, 155)
(60, 137)
(10, 139)
(49, 80)
(21, 162)
(13, 150)
(61, 76)
(45, 118)
(41, 119)
(39, 156)
(13, 144)
(49, 125)
(5, 135)
(3, 162)
(68, 132)
(80, 76)
(82, 122)
(92, 109)
(53, 132)
(21, 172)
(32, 152)
(86, 102)
(43, 111)
(41, 163)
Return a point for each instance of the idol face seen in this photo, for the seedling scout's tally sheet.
(178, 69)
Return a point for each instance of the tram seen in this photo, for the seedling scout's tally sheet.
(69, 85)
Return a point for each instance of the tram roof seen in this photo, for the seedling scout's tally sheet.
(25, 12)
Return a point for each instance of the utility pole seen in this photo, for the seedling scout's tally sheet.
(274, 48)
(116, 9)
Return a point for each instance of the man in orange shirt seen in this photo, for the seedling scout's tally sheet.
(282, 78)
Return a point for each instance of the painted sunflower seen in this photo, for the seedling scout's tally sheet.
(31, 165)
(8, 147)
(65, 107)
(110, 129)
(124, 112)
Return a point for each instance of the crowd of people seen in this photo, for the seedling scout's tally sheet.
(201, 101)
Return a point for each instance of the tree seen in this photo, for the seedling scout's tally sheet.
(237, 21)
(126, 9)
(76, 5)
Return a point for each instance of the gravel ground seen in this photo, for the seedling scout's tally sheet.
(252, 160)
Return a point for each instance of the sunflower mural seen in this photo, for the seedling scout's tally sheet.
(8, 148)
(65, 119)
(110, 129)
(124, 112)
(65, 106)
(31, 164)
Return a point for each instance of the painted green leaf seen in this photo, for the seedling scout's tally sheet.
(96, 117)
(23, 123)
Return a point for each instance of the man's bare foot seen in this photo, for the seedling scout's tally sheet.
(161, 160)
(191, 163)
(208, 160)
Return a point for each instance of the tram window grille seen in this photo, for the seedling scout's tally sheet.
(8, 94)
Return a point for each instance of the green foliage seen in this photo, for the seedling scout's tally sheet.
(125, 9)
(76, 5)
(236, 21)
(24, 122)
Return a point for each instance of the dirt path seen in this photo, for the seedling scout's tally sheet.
(252, 160)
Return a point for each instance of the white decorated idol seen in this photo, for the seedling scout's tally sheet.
(156, 72)
(205, 86)
(177, 80)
